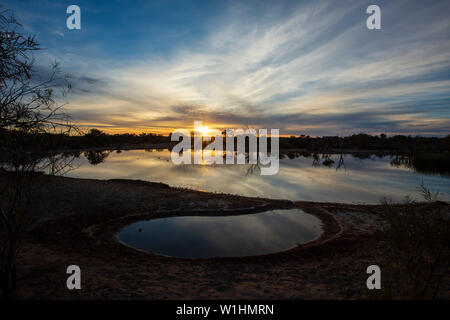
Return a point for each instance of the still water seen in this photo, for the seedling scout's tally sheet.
(334, 178)
(233, 236)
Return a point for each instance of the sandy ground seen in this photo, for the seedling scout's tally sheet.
(78, 219)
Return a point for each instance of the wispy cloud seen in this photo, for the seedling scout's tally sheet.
(311, 67)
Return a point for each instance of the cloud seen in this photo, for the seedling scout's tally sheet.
(311, 67)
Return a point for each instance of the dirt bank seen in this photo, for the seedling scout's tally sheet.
(78, 219)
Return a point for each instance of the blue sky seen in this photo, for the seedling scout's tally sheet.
(306, 67)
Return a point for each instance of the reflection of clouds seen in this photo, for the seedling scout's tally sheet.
(364, 180)
(224, 236)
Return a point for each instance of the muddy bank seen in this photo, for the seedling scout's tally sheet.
(78, 219)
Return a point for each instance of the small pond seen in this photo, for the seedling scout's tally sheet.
(220, 236)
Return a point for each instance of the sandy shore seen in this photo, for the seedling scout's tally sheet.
(78, 220)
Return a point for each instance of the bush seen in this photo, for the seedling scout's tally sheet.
(417, 248)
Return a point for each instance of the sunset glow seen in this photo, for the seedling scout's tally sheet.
(204, 131)
(229, 157)
(305, 67)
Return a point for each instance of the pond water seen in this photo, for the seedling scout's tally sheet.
(219, 236)
(335, 178)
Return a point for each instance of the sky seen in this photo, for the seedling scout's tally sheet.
(304, 67)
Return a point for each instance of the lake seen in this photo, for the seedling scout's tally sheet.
(332, 178)
(224, 236)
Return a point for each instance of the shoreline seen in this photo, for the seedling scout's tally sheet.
(169, 145)
(79, 218)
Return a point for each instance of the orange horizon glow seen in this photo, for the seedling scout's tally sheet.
(205, 130)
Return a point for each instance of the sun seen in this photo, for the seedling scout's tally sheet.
(204, 131)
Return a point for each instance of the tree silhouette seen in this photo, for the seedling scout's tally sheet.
(28, 112)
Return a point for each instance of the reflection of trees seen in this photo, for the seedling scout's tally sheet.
(57, 164)
(327, 159)
(341, 162)
(427, 163)
(253, 169)
(422, 163)
(401, 161)
(363, 156)
(51, 163)
(316, 160)
(328, 162)
(96, 157)
(431, 163)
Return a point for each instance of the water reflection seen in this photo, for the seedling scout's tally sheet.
(49, 163)
(437, 164)
(302, 176)
(206, 237)
(96, 157)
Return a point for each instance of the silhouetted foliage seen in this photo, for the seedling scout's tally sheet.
(417, 248)
(394, 144)
(30, 120)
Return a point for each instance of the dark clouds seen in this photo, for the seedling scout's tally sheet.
(308, 67)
